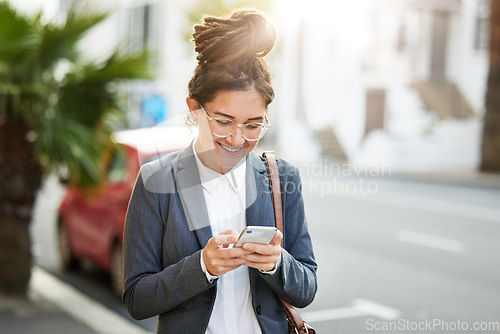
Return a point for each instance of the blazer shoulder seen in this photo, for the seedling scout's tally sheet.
(157, 175)
(165, 162)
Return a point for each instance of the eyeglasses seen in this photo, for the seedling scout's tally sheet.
(224, 127)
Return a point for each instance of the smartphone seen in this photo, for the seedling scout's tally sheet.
(256, 234)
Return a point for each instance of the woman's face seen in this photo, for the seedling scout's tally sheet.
(222, 154)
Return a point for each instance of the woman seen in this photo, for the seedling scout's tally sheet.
(188, 208)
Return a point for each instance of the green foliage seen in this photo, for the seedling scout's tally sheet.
(58, 42)
(19, 37)
(66, 101)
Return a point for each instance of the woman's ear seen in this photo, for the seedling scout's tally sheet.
(193, 106)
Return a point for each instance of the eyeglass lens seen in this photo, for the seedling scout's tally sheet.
(225, 127)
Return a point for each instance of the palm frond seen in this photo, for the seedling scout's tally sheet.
(60, 42)
(79, 148)
(18, 35)
(86, 102)
(120, 67)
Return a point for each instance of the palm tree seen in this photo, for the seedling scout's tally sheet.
(490, 160)
(56, 114)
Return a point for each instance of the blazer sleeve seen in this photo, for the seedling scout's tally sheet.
(149, 288)
(295, 280)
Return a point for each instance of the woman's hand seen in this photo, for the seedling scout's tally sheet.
(218, 258)
(263, 257)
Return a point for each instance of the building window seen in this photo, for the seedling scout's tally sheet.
(482, 25)
(402, 42)
(143, 28)
(375, 110)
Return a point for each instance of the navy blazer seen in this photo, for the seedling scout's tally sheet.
(167, 226)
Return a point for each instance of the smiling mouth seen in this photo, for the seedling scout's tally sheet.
(230, 149)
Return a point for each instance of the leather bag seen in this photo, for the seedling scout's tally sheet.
(295, 322)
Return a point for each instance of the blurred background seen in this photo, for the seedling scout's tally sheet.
(382, 105)
(376, 82)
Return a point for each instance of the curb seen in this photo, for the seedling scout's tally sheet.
(94, 315)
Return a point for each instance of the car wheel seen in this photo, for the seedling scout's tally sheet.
(68, 260)
(117, 269)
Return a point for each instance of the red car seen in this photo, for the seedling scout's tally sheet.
(90, 227)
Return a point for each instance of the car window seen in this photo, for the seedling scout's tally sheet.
(116, 168)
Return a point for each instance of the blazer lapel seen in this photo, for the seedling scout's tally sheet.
(259, 210)
(191, 194)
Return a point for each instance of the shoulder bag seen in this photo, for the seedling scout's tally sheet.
(295, 322)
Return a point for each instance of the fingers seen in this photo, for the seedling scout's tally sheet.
(229, 232)
(278, 237)
(261, 262)
(219, 266)
(217, 248)
(218, 258)
(263, 257)
(224, 239)
(274, 247)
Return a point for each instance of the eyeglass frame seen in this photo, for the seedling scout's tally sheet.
(265, 126)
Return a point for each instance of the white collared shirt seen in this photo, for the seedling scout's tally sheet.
(225, 197)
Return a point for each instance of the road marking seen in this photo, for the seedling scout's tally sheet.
(376, 309)
(444, 207)
(91, 313)
(429, 240)
(332, 314)
(358, 308)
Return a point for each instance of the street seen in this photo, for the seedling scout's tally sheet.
(394, 256)
(410, 251)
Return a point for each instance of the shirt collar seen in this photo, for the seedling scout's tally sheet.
(210, 178)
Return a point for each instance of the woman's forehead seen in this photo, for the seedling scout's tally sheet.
(238, 104)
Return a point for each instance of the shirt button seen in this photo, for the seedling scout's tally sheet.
(258, 310)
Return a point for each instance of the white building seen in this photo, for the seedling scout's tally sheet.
(398, 82)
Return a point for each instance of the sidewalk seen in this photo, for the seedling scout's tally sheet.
(472, 179)
(57, 308)
(37, 316)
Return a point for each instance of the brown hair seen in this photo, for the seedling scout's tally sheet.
(231, 55)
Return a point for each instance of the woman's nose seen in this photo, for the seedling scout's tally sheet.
(236, 138)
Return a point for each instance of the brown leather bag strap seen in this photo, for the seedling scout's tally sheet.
(274, 183)
(294, 316)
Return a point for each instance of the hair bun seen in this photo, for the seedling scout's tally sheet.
(246, 33)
